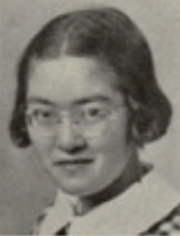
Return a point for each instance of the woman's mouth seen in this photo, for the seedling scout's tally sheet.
(73, 164)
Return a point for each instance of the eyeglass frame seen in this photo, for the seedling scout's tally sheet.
(34, 123)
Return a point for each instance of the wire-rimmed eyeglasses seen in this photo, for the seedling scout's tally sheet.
(45, 118)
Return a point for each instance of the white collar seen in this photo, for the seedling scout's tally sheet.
(132, 212)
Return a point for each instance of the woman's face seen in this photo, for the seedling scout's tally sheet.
(78, 123)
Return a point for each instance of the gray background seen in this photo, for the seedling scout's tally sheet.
(24, 187)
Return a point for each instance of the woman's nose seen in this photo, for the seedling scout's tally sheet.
(69, 138)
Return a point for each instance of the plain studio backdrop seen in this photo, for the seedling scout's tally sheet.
(24, 187)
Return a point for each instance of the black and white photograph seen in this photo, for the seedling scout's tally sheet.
(89, 117)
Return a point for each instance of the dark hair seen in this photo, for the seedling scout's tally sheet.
(105, 34)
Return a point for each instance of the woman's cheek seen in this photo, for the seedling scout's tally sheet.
(40, 142)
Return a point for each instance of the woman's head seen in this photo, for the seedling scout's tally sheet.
(110, 37)
(87, 96)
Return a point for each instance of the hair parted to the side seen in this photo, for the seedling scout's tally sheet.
(108, 35)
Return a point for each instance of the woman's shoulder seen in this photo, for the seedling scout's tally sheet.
(169, 225)
(54, 216)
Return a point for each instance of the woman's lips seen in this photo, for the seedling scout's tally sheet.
(73, 166)
(74, 162)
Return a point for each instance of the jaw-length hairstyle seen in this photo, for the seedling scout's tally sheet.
(105, 34)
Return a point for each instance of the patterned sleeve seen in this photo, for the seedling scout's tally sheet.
(169, 226)
(39, 221)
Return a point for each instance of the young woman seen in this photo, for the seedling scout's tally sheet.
(87, 100)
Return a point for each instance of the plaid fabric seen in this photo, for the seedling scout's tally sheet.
(170, 225)
(39, 221)
(64, 230)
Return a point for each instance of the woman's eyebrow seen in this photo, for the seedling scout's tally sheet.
(38, 100)
(81, 101)
(89, 99)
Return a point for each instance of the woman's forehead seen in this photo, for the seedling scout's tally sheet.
(71, 79)
(68, 63)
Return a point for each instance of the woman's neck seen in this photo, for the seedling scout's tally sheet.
(133, 173)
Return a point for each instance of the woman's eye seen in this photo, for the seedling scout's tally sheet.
(96, 113)
(43, 116)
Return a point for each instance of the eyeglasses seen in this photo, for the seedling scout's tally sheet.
(48, 118)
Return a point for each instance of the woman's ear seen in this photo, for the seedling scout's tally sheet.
(144, 127)
(143, 135)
